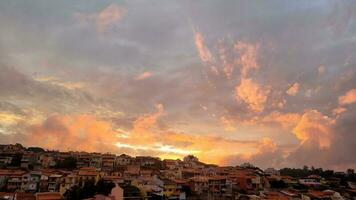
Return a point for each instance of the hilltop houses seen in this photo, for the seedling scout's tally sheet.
(50, 174)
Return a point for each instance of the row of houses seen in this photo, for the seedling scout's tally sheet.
(168, 179)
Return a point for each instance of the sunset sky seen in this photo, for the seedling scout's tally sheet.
(267, 82)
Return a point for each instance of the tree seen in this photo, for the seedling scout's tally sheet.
(67, 163)
(16, 160)
(104, 188)
(277, 184)
(36, 149)
(89, 190)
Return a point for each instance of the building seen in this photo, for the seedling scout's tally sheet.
(310, 181)
(54, 181)
(67, 182)
(31, 181)
(95, 161)
(48, 196)
(108, 162)
(87, 174)
(123, 160)
(11, 180)
(272, 171)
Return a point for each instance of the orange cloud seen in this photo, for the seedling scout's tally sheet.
(293, 90)
(348, 98)
(248, 57)
(316, 127)
(204, 52)
(203, 145)
(147, 121)
(286, 120)
(77, 132)
(109, 16)
(146, 137)
(143, 76)
(266, 144)
(338, 110)
(253, 94)
(58, 82)
(267, 154)
(228, 66)
(321, 70)
(228, 124)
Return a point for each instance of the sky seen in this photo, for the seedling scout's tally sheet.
(272, 83)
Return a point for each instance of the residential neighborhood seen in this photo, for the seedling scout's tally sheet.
(34, 173)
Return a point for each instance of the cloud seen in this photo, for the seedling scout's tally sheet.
(143, 76)
(203, 51)
(248, 57)
(254, 95)
(348, 98)
(286, 120)
(147, 138)
(293, 90)
(315, 127)
(148, 120)
(109, 16)
(338, 110)
(56, 81)
(268, 154)
(321, 70)
(73, 132)
(228, 124)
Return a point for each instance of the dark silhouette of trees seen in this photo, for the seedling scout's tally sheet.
(68, 163)
(89, 189)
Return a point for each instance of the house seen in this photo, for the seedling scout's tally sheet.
(170, 188)
(272, 171)
(246, 180)
(17, 196)
(83, 159)
(108, 162)
(67, 182)
(5, 160)
(113, 179)
(123, 160)
(291, 194)
(199, 184)
(145, 173)
(47, 161)
(31, 181)
(172, 173)
(289, 180)
(95, 161)
(48, 196)
(147, 161)
(29, 160)
(274, 196)
(217, 187)
(148, 186)
(132, 171)
(15, 148)
(189, 173)
(87, 174)
(171, 164)
(54, 181)
(43, 185)
(310, 181)
(322, 195)
(11, 180)
(190, 158)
